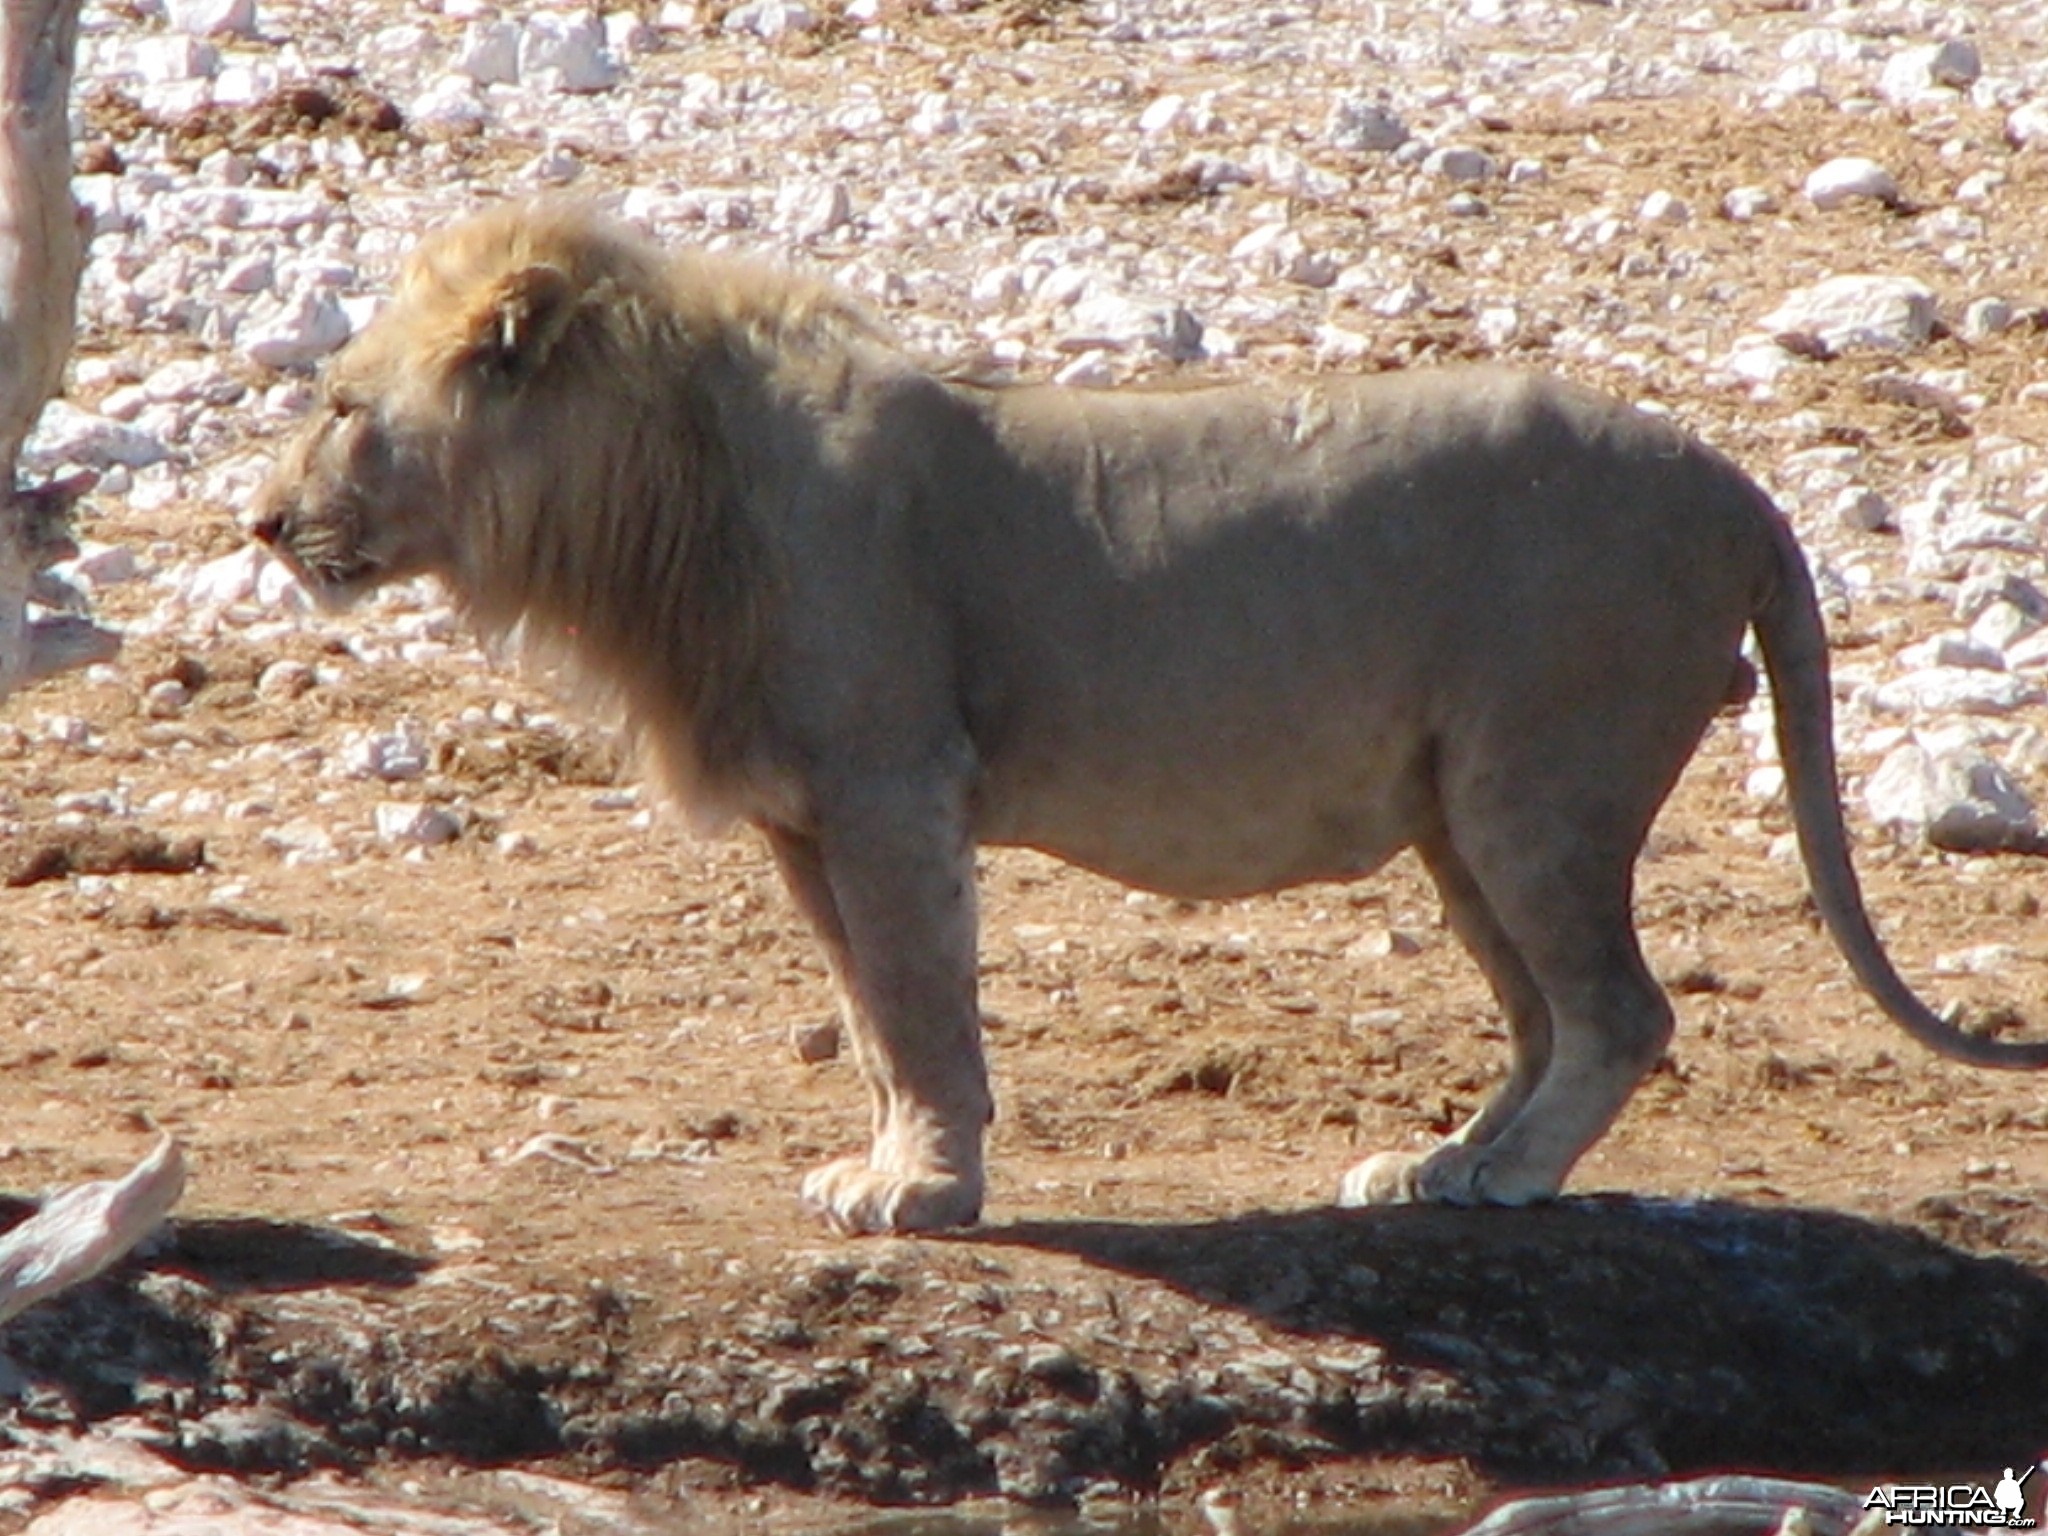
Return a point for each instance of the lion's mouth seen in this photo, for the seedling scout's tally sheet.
(333, 578)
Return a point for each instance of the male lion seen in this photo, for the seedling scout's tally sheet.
(1209, 641)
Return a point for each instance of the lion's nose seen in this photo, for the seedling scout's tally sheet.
(268, 528)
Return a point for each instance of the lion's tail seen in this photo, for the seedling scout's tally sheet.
(1794, 643)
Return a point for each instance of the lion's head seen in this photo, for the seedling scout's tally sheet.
(556, 417)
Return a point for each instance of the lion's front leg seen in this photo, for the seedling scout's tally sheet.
(889, 889)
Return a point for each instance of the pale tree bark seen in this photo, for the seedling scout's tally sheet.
(80, 1231)
(42, 251)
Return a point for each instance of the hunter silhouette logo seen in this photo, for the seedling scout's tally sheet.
(2002, 1506)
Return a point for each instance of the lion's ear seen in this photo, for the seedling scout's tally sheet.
(517, 323)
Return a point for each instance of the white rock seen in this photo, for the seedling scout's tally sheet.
(1893, 314)
(277, 587)
(770, 19)
(395, 755)
(230, 579)
(626, 32)
(1160, 116)
(285, 679)
(1930, 69)
(1952, 649)
(1986, 318)
(1365, 125)
(2001, 588)
(67, 434)
(1457, 162)
(1957, 799)
(297, 331)
(212, 18)
(1954, 691)
(1090, 370)
(2027, 124)
(560, 52)
(405, 821)
(2029, 654)
(166, 699)
(1497, 325)
(452, 105)
(489, 53)
(1979, 529)
(1845, 180)
(100, 565)
(808, 209)
(1666, 208)
(1977, 959)
(1119, 322)
(193, 381)
(1861, 508)
(1403, 299)
(1741, 204)
(174, 59)
(303, 842)
(2002, 625)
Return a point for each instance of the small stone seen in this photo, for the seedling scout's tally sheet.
(1951, 649)
(230, 579)
(299, 331)
(1861, 508)
(1986, 318)
(1845, 180)
(1959, 800)
(211, 18)
(770, 19)
(1742, 204)
(1457, 162)
(566, 53)
(1955, 691)
(67, 434)
(406, 821)
(166, 700)
(1930, 69)
(1383, 944)
(100, 565)
(1366, 126)
(1976, 960)
(2027, 124)
(1161, 114)
(285, 680)
(1894, 314)
(815, 1043)
(1664, 208)
(394, 755)
(489, 53)
(1118, 322)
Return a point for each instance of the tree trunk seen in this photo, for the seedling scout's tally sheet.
(42, 251)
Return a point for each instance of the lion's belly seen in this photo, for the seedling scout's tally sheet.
(1187, 818)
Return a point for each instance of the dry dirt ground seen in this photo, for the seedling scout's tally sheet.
(495, 1152)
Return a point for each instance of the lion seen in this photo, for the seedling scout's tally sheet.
(1210, 641)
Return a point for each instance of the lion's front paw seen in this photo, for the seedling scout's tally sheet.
(856, 1197)
(1455, 1173)
(1385, 1178)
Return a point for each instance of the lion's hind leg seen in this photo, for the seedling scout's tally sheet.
(892, 901)
(1560, 910)
(1389, 1177)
